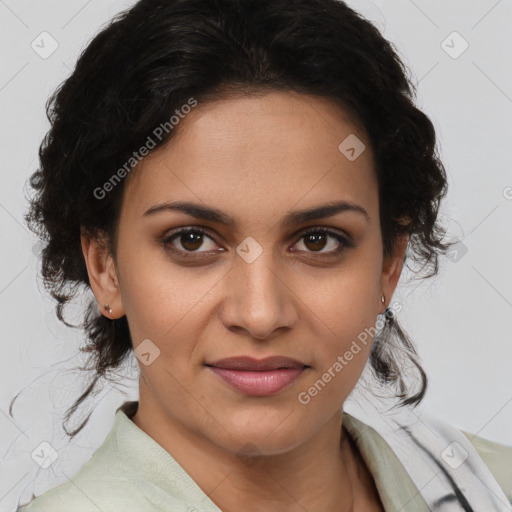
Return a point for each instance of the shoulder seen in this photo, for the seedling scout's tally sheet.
(73, 497)
(128, 472)
(95, 487)
(459, 465)
(498, 458)
(103, 483)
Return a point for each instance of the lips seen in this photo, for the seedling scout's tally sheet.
(258, 377)
(251, 364)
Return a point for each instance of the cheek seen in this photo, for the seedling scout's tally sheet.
(348, 301)
(160, 297)
(347, 310)
(340, 361)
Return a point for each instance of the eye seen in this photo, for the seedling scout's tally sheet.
(190, 239)
(315, 240)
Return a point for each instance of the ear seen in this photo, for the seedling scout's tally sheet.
(392, 269)
(102, 274)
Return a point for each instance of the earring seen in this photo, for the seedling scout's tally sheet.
(107, 307)
(383, 299)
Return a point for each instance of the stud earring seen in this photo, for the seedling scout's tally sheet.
(107, 307)
(383, 299)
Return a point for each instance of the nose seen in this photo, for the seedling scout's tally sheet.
(258, 299)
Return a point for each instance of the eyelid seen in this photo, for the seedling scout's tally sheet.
(343, 238)
(324, 229)
(170, 236)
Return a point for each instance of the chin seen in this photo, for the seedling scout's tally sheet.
(266, 433)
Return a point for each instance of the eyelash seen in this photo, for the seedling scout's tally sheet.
(346, 243)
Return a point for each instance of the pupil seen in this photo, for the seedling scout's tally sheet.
(192, 241)
(316, 241)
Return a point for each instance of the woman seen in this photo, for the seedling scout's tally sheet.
(238, 183)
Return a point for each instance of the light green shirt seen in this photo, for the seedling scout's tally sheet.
(130, 472)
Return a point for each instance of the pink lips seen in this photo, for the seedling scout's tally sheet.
(258, 377)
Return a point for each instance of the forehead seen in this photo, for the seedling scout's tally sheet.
(258, 154)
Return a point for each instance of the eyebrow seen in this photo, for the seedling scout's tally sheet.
(212, 214)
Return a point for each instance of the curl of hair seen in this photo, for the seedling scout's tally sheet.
(151, 59)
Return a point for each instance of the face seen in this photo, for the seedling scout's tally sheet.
(253, 281)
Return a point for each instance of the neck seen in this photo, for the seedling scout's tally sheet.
(315, 476)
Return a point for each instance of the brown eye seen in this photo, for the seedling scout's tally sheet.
(315, 240)
(190, 240)
(187, 242)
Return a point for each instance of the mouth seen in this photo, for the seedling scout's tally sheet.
(258, 377)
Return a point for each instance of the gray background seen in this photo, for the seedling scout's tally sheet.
(460, 321)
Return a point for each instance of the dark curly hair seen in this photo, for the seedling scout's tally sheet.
(151, 59)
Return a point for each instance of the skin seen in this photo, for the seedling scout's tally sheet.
(256, 159)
